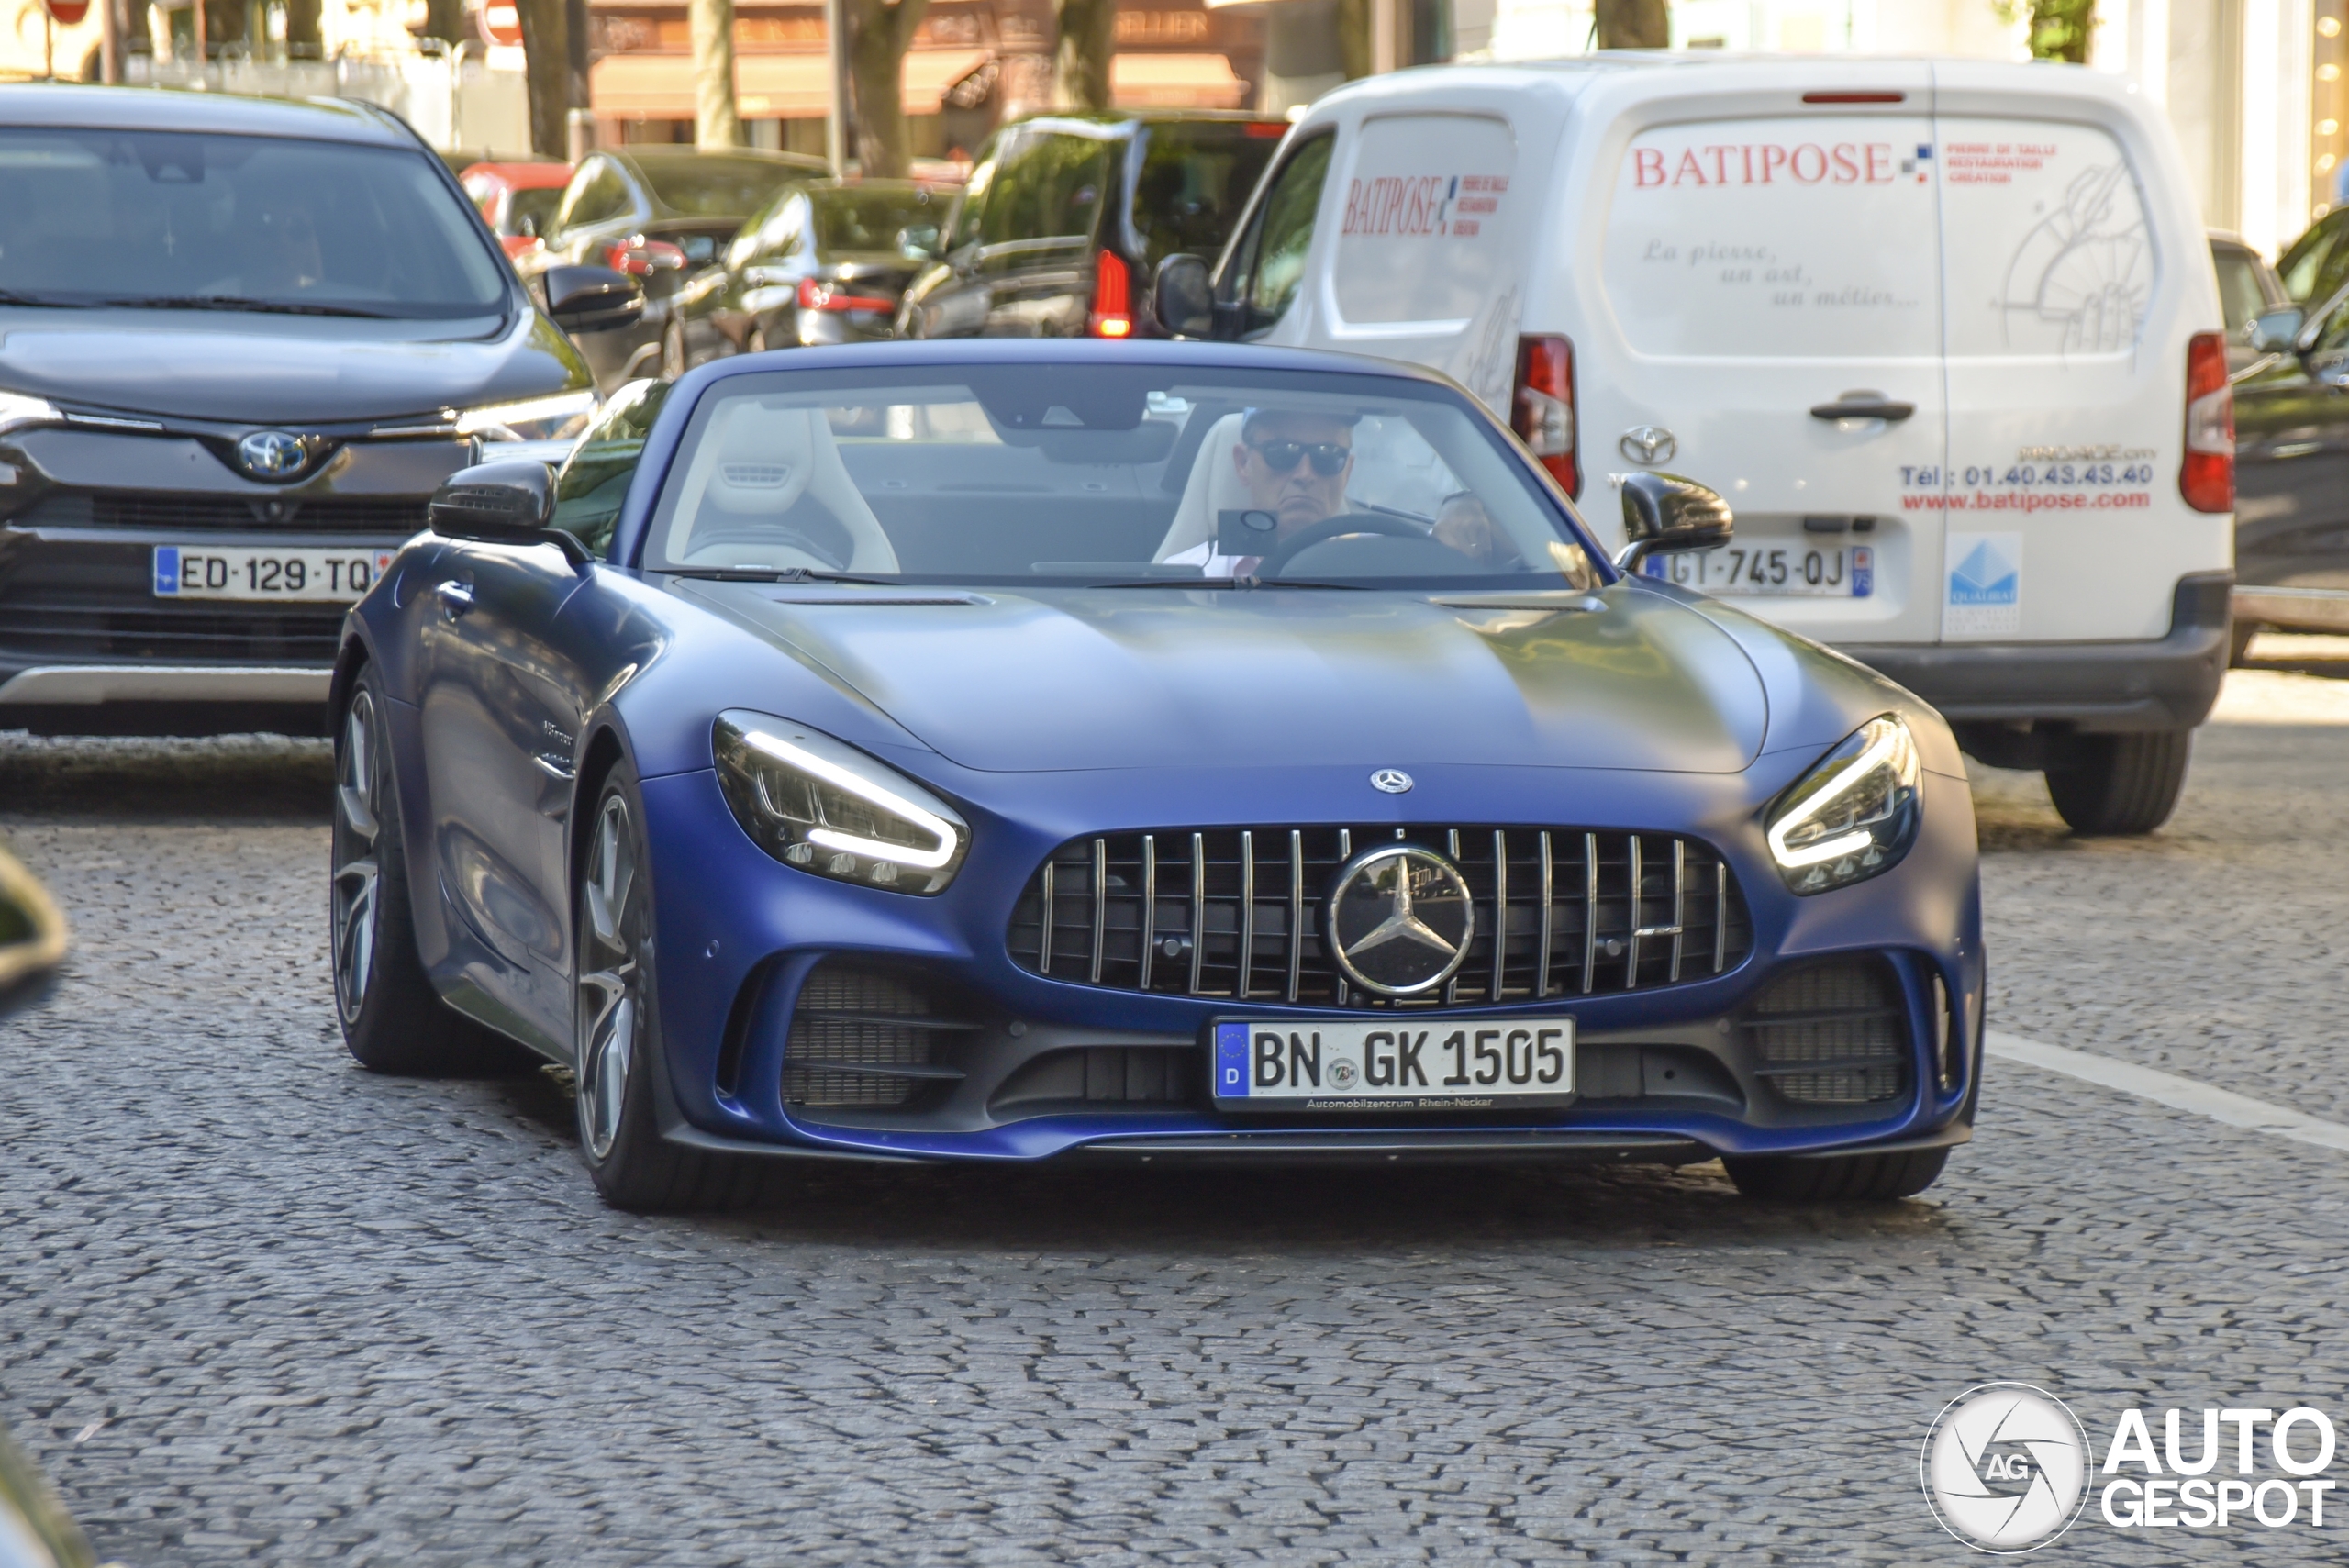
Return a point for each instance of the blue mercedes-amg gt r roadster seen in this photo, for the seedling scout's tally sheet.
(1083, 752)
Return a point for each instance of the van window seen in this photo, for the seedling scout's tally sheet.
(1048, 189)
(1419, 237)
(2055, 258)
(2241, 299)
(970, 211)
(1778, 238)
(2310, 271)
(1273, 254)
(1195, 179)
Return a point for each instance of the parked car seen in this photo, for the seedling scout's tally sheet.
(2290, 375)
(35, 1530)
(1905, 314)
(241, 341)
(1153, 751)
(823, 262)
(1065, 217)
(32, 937)
(2315, 267)
(518, 200)
(659, 215)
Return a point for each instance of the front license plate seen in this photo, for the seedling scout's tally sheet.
(1809, 570)
(1393, 1064)
(234, 572)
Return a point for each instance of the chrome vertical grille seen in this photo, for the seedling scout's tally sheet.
(1237, 913)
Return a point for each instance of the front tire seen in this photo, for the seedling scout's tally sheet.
(393, 1021)
(1839, 1178)
(616, 1013)
(2113, 784)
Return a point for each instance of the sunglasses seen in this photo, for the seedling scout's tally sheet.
(1329, 458)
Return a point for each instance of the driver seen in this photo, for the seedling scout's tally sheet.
(1295, 466)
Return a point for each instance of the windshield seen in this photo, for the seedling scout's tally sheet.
(715, 185)
(1087, 473)
(1195, 179)
(104, 216)
(869, 219)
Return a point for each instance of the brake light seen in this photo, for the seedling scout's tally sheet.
(815, 295)
(1113, 297)
(1274, 128)
(639, 256)
(1543, 410)
(2206, 479)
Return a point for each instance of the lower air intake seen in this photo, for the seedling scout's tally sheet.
(1833, 1034)
(870, 1039)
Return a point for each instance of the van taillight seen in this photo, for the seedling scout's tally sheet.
(1543, 410)
(2208, 478)
(1113, 299)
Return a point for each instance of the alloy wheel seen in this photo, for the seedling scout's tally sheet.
(358, 857)
(610, 1007)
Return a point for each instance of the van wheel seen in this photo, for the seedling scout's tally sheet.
(2239, 642)
(393, 1021)
(2121, 784)
(1843, 1178)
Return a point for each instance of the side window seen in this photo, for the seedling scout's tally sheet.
(2304, 265)
(1049, 188)
(598, 195)
(1271, 254)
(970, 213)
(595, 479)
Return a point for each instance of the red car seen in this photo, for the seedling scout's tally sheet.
(518, 200)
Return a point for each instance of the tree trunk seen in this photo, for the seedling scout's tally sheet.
(224, 28)
(1633, 24)
(304, 36)
(1354, 20)
(546, 69)
(715, 121)
(878, 33)
(443, 19)
(1088, 37)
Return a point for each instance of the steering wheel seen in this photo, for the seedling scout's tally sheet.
(1277, 559)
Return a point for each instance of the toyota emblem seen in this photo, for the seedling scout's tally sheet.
(1648, 445)
(1399, 919)
(272, 454)
(1391, 781)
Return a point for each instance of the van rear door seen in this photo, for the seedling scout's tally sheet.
(2064, 520)
(1774, 329)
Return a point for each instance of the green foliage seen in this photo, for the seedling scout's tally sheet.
(2060, 29)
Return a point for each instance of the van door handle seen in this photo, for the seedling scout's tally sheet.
(1850, 407)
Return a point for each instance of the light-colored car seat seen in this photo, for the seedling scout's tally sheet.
(758, 462)
(1214, 486)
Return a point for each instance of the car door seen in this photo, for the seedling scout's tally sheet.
(601, 206)
(1266, 265)
(1036, 255)
(2292, 463)
(498, 714)
(950, 300)
(771, 278)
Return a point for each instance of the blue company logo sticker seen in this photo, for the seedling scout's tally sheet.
(1231, 1060)
(167, 569)
(1987, 576)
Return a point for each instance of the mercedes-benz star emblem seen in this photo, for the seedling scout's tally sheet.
(1391, 781)
(272, 455)
(1399, 919)
(1648, 444)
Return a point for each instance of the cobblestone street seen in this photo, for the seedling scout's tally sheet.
(259, 1305)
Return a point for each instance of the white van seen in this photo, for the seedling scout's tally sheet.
(1945, 333)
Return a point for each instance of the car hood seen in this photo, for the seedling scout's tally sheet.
(1052, 679)
(279, 369)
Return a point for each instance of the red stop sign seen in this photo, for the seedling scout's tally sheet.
(65, 13)
(500, 22)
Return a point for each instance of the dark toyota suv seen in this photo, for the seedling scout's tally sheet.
(241, 341)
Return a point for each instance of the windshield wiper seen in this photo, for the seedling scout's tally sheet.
(1232, 583)
(775, 574)
(239, 302)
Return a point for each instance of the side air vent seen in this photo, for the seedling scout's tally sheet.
(1833, 1034)
(867, 1038)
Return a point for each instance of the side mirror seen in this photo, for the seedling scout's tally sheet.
(32, 937)
(1183, 296)
(593, 299)
(918, 242)
(1664, 512)
(510, 502)
(2278, 331)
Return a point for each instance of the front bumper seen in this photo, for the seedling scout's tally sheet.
(2170, 684)
(1048, 1068)
(86, 646)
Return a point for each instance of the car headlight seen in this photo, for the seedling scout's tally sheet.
(16, 411)
(551, 418)
(815, 804)
(1854, 815)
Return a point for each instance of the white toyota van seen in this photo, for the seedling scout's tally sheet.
(1945, 333)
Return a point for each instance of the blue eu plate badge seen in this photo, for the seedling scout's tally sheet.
(1391, 1062)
